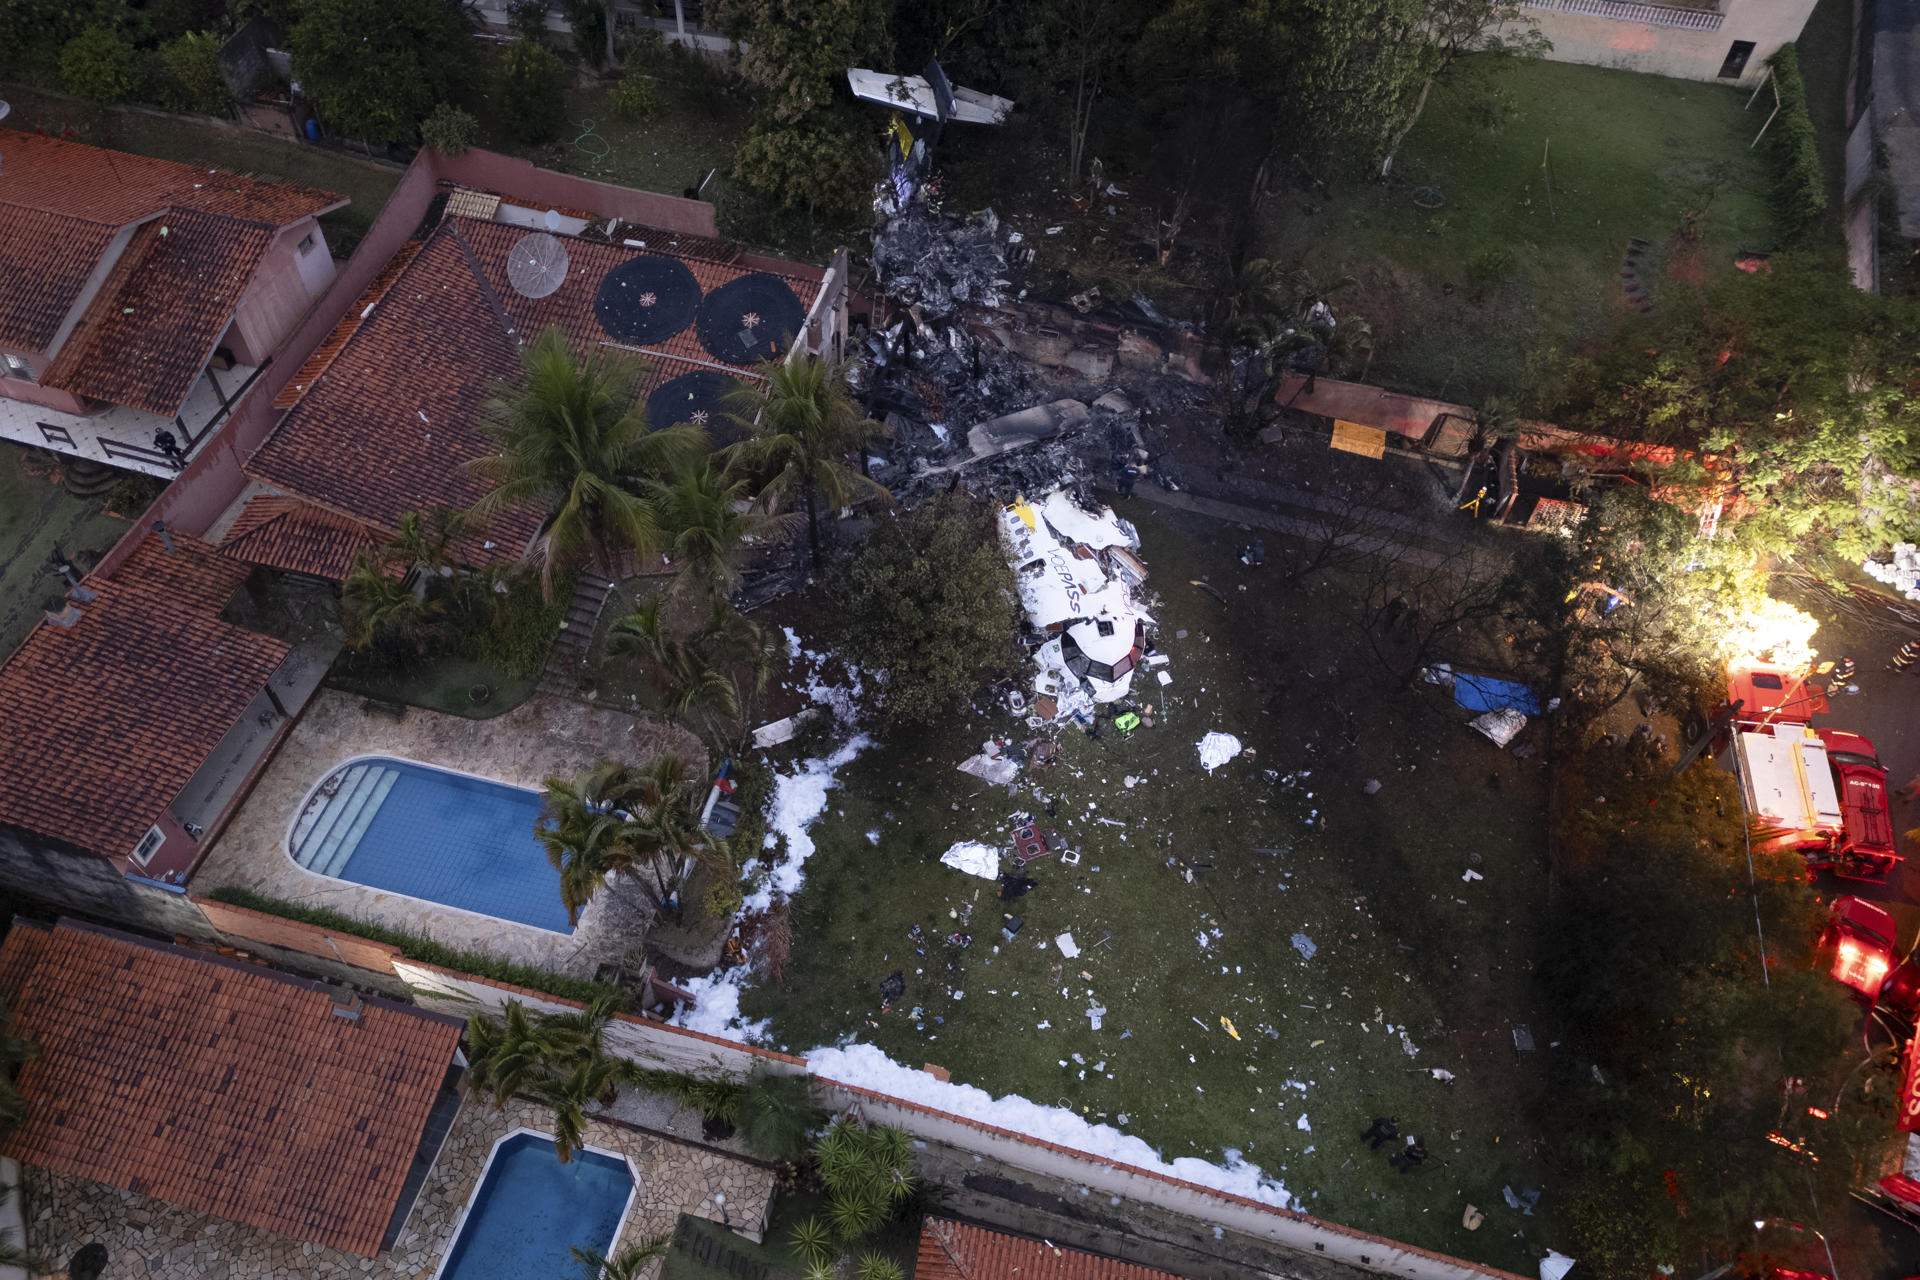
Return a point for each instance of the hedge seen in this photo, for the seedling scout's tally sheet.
(1799, 182)
(418, 947)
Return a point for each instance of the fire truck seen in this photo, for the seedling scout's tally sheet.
(1820, 792)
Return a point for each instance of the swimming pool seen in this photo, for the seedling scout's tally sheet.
(529, 1210)
(433, 834)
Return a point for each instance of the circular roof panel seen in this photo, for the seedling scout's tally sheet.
(699, 398)
(647, 299)
(750, 319)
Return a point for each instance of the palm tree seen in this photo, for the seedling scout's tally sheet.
(615, 819)
(704, 517)
(559, 1059)
(688, 681)
(625, 1265)
(381, 605)
(573, 440)
(425, 541)
(802, 424)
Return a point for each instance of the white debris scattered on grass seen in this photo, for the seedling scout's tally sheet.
(1471, 875)
(1302, 1125)
(1304, 945)
(794, 649)
(873, 837)
(1555, 1265)
(797, 801)
(1443, 1075)
(1068, 947)
(1216, 749)
(974, 858)
(1095, 1013)
(1406, 1042)
(864, 1066)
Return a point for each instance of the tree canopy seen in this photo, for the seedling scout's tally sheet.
(931, 609)
(375, 69)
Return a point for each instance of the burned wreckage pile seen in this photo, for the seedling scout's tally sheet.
(984, 390)
(1020, 402)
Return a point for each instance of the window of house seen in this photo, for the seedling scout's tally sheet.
(306, 241)
(1736, 60)
(19, 368)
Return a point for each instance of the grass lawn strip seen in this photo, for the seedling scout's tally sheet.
(1223, 1040)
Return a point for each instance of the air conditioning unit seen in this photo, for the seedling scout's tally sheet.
(149, 845)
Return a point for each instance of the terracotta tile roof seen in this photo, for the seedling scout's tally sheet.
(952, 1250)
(392, 423)
(221, 1087)
(45, 259)
(145, 339)
(286, 533)
(108, 718)
(324, 355)
(571, 305)
(61, 203)
(116, 187)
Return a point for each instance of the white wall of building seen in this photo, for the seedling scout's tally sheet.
(1688, 43)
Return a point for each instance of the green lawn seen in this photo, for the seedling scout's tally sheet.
(1219, 1032)
(1523, 257)
(193, 141)
(37, 515)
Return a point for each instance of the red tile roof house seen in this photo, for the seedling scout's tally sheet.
(951, 1250)
(226, 1088)
(139, 298)
(138, 717)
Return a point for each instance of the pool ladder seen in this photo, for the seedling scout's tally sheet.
(330, 830)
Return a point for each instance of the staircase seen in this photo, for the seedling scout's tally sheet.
(329, 831)
(567, 659)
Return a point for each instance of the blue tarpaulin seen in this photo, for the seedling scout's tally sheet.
(1490, 693)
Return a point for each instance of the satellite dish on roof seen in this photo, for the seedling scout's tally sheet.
(536, 265)
(552, 219)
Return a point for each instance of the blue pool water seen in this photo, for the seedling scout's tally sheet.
(531, 1209)
(407, 828)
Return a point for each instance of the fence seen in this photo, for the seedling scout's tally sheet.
(1654, 15)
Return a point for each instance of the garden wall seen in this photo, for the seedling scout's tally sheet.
(1323, 1248)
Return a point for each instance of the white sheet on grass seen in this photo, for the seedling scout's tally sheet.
(974, 858)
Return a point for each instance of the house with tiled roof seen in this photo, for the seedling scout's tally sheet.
(135, 711)
(226, 1088)
(953, 1250)
(384, 418)
(140, 298)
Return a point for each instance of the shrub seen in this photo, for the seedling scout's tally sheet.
(527, 19)
(449, 130)
(190, 78)
(1490, 266)
(419, 947)
(1799, 181)
(817, 164)
(936, 609)
(635, 97)
(100, 65)
(512, 631)
(533, 91)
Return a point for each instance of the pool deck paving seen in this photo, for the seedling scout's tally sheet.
(542, 737)
(145, 1237)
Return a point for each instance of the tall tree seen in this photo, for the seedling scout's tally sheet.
(807, 148)
(572, 439)
(374, 69)
(558, 1059)
(803, 425)
(704, 519)
(618, 820)
(1447, 32)
(931, 602)
(695, 672)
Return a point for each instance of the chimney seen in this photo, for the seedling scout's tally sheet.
(65, 567)
(347, 1005)
(166, 535)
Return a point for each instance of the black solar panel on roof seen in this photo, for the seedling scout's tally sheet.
(647, 299)
(750, 319)
(699, 398)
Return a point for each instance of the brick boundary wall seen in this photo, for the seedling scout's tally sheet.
(682, 1049)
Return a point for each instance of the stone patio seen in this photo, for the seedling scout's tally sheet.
(150, 1240)
(542, 737)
